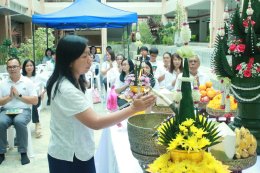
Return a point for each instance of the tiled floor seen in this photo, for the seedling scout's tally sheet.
(39, 162)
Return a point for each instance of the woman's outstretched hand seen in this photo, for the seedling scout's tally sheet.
(142, 102)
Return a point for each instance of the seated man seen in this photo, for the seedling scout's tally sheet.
(17, 95)
(194, 64)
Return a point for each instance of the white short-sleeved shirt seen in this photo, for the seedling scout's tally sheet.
(202, 79)
(24, 86)
(69, 136)
(38, 83)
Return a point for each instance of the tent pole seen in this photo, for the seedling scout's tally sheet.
(33, 40)
(124, 40)
(128, 31)
(47, 37)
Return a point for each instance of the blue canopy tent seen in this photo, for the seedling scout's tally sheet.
(86, 14)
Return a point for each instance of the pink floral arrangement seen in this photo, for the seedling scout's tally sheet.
(143, 80)
(236, 47)
(249, 69)
(130, 80)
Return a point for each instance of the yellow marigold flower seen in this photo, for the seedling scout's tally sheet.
(183, 129)
(193, 129)
(188, 122)
(200, 132)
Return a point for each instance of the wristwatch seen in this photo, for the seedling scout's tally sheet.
(20, 95)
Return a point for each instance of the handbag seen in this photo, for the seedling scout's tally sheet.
(96, 96)
(112, 99)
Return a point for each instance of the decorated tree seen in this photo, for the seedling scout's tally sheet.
(237, 58)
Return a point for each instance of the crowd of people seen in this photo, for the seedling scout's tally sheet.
(24, 89)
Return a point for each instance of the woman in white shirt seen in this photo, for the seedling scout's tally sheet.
(109, 66)
(29, 71)
(71, 147)
(160, 73)
(176, 68)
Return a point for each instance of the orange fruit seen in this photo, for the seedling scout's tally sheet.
(211, 94)
(203, 93)
(208, 84)
(209, 89)
(202, 87)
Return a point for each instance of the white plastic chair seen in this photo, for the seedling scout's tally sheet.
(11, 135)
(97, 76)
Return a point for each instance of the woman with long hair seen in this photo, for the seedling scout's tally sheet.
(29, 70)
(176, 68)
(71, 147)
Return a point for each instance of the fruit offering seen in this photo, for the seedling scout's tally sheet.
(215, 103)
(245, 143)
(207, 93)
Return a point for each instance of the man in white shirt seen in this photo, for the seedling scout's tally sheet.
(153, 55)
(194, 64)
(16, 98)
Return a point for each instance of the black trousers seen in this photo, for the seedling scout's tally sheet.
(35, 113)
(77, 166)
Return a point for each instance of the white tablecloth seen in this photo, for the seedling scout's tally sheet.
(114, 155)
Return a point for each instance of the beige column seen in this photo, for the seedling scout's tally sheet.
(27, 30)
(216, 18)
(5, 29)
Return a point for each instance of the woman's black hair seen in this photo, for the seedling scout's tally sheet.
(48, 49)
(24, 72)
(150, 66)
(91, 49)
(68, 50)
(150, 75)
(172, 67)
(112, 54)
(131, 69)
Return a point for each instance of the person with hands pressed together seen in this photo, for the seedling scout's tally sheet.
(71, 147)
(16, 97)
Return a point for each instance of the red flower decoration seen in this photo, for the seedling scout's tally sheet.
(247, 73)
(258, 69)
(246, 23)
(241, 47)
(232, 47)
(239, 67)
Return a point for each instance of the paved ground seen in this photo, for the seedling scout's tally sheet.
(39, 162)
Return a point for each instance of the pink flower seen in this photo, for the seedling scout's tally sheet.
(239, 67)
(147, 79)
(249, 66)
(247, 73)
(241, 48)
(258, 69)
(232, 47)
(245, 23)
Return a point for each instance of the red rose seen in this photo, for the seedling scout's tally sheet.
(232, 47)
(241, 48)
(249, 66)
(245, 23)
(252, 22)
(251, 60)
(247, 73)
(239, 67)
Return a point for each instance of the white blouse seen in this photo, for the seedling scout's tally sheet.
(69, 136)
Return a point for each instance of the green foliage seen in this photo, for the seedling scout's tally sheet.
(26, 49)
(166, 33)
(250, 42)
(236, 21)
(7, 51)
(219, 61)
(256, 15)
(186, 109)
(146, 35)
(171, 128)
